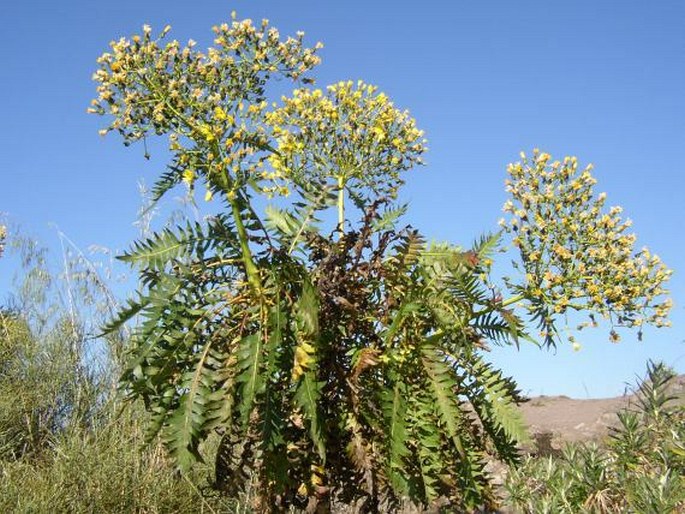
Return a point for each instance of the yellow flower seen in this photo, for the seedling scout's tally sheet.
(206, 132)
(189, 177)
(219, 113)
(582, 254)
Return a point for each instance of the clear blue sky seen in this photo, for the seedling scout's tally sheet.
(601, 80)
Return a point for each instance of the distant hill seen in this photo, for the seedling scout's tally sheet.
(569, 419)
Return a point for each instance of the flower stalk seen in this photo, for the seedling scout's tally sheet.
(341, 204)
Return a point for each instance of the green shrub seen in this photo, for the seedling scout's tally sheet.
(67, 445)
(641, 468)
(106, 468)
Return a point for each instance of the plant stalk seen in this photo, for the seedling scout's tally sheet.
(341, 205)
(512, 300)
(501, 305)
(251, 270)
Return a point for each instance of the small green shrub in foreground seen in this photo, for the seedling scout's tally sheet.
(641, 469)
(66, 446)
(103, 470)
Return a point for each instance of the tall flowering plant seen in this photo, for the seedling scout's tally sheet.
(347, 365)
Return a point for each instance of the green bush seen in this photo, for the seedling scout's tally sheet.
(641, 468)
(104, 469)
(66, 444)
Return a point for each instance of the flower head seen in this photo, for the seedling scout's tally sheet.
(575, 253)
(210, 104)
(348, 133)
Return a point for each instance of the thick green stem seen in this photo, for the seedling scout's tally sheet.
(251, 270)
(341, 205)
(512, 300)
(501, 305)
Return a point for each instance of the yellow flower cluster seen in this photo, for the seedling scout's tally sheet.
(210, 104)
(575, 253)
(348, 133)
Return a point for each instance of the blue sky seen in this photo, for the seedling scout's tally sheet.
(601, 80)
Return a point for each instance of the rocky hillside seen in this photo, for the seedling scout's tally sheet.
(568, 419)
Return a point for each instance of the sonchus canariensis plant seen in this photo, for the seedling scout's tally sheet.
(347, 365)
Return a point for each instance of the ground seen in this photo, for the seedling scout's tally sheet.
(569, 419)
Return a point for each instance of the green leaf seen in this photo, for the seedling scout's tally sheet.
(486, 246)
(427, 454)
(166, 182)
(388, 219)
(158, 250)
(252, 382)
(307, 397)
(443, 385)
(306, 313)
(495, 399)
(395, 411)
(194, 239)
(182, 435)
(272, 411)
(290, 225)
(500, 328)
(125, 314)
(405, 309)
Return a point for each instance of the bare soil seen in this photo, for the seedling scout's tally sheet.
(573, 420)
